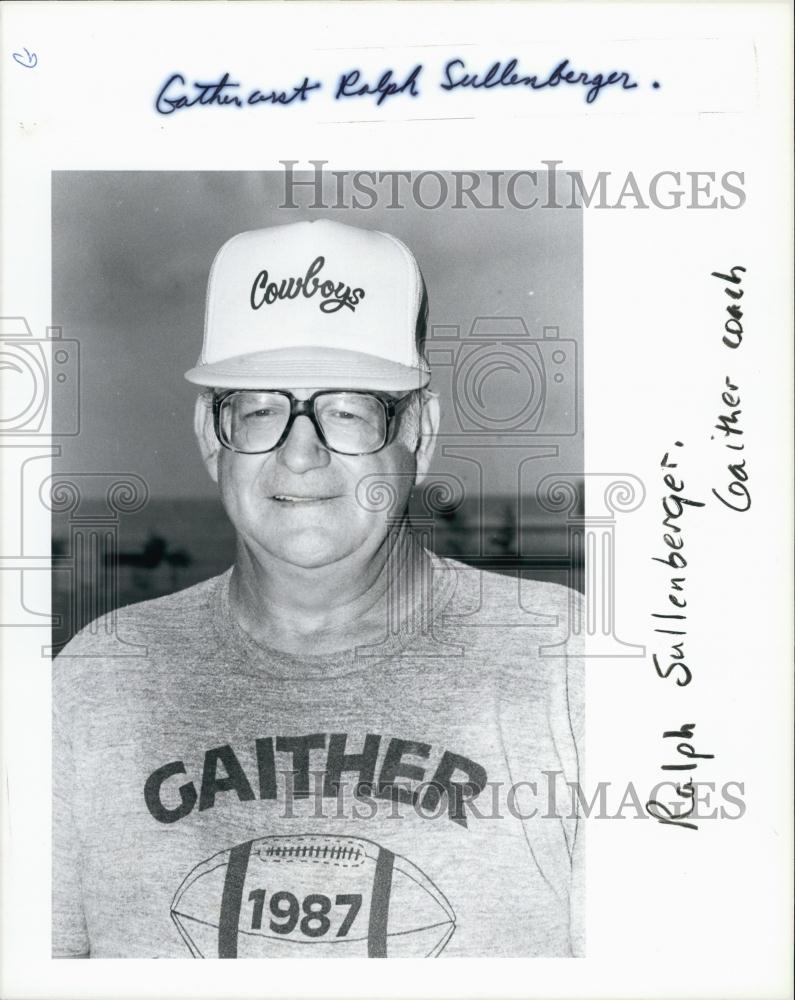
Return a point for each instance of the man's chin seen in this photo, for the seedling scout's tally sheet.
(310, 548)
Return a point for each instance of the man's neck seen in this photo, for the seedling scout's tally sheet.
(330, 608)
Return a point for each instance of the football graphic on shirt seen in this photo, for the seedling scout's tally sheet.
(311, 896)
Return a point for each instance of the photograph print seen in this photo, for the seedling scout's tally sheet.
(318, 683)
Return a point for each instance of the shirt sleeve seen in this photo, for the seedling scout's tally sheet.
(543, 721)
(575, 698)
(69, 932)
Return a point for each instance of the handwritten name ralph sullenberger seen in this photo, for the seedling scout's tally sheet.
(678, 505)
(177, 93)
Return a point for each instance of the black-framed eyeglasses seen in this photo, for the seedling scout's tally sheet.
(255, 421)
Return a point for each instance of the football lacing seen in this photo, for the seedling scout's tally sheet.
(315, 851)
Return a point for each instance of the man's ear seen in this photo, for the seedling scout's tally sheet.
(209, 445)
(429, 428)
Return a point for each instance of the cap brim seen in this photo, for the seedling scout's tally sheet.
(309, 368)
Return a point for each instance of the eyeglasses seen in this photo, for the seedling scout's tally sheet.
(255, 421)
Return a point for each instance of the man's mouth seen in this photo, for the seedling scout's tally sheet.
(289, 498)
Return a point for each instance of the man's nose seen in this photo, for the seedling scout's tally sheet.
(303, 449)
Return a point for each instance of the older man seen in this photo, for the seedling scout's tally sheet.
(344, 745)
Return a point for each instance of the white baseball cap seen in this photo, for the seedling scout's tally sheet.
(312, 305)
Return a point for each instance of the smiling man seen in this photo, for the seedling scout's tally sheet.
(344, 746)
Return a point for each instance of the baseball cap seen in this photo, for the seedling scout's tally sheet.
(312, 304)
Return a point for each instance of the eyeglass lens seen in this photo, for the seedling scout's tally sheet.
(352, 422)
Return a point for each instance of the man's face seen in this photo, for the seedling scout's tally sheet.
(311, 507)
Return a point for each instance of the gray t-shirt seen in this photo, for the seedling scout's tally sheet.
(215, 797)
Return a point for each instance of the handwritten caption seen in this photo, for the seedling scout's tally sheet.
(679, 507)
(179, 94)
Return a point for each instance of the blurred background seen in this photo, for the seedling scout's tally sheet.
(131, 253)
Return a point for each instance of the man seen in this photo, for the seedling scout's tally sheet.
(340, 747)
